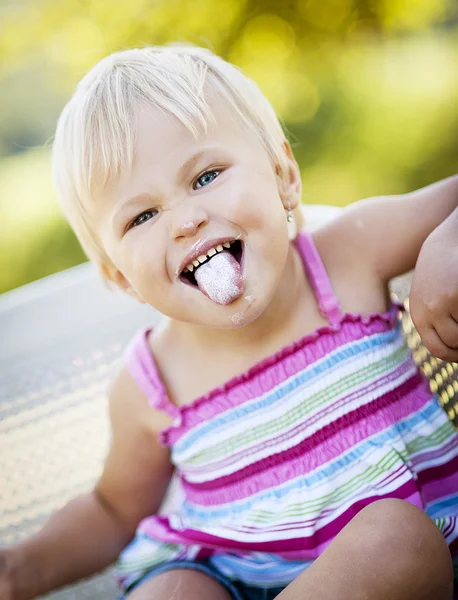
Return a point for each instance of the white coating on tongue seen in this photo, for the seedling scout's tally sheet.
(220, 278)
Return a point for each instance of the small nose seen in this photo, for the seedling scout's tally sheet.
(186, 223)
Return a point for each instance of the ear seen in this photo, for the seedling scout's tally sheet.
(111, 275)
(289, 178)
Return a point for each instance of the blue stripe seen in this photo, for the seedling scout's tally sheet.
(272, 570)
(307, 375)
(441, 508)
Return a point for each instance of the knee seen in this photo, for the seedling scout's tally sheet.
(400, 523)
(406, 533)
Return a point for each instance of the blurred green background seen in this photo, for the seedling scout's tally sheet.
(367, 90)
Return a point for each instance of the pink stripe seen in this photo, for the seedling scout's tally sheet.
(275, 369)
(434, 474)
(301, 547)
(436, 455)
(440, 489)
(325, 445)
(336, 407)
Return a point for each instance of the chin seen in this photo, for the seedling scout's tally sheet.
(245, 315)
(240, 319)
(236, 315)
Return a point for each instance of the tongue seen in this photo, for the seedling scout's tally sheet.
(220, 278)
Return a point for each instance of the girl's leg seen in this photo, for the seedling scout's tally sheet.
(178, 584)
(390, 551)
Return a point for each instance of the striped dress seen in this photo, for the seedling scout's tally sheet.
(273, 464)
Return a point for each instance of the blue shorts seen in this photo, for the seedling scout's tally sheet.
(238, 590)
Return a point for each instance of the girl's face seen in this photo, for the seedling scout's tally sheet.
(183, 199)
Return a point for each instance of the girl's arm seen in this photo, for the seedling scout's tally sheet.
(89, 533)
(389, 231)
(385, 236)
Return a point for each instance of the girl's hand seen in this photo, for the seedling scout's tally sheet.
(434, 291)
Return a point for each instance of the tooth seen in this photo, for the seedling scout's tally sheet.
(190, 267)
(226, 245)
(202, 258)
(196, 263)
(211, 252)
(219, 248)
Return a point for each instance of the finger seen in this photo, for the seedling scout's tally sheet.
(454, 312)
(447, 330)
(436, 346)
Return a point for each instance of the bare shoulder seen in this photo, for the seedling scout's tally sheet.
(361, 233)
(384, 234)
(342, 243)
(128, 404)
(341, 239)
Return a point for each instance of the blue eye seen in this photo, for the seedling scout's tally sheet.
(206, 178)
(143, 217)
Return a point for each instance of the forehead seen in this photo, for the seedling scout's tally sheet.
(162, 144)
(161, 137)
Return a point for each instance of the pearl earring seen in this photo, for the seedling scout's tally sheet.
(292, 225)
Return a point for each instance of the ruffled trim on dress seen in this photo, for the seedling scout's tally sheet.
(358, 327)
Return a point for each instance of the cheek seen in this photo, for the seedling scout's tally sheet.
(254, 204)
(140, 260)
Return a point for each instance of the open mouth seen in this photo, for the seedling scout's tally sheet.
(235, 248)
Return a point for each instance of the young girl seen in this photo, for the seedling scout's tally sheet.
(310, 457)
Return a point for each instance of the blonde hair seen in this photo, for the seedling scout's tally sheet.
(95, 134)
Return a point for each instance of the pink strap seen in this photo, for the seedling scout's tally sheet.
(140, 362)
(316, 273)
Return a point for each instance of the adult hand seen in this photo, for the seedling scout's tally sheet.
(434, 291)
